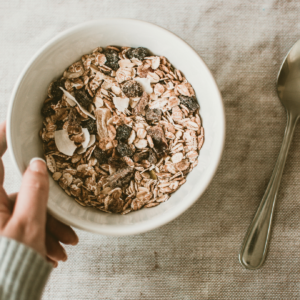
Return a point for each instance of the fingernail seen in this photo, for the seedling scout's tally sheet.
(66, 256)
(37, 164)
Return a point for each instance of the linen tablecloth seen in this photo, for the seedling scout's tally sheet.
(195, 256)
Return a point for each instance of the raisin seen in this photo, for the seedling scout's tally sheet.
(123, 133)
(190, 102)
(159, 139)
(91, 126)
(153, 115)
(112, 59)
(132, 88)
(120, 178)
(56, 92)
(59, 125)
(138, 157)
(152, 157)
(47, 110)
(139, 53)
(101, 156)
(83, 97)
(124, 149)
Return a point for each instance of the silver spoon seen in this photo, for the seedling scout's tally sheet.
(255, 244)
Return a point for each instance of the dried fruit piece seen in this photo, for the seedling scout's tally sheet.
(102, 116)
(59, 125)
(158, 137)
(123, 133)
(74, 126)
(112, 59)
(152, 157)
(140, 107)
(139, 53)
(47, 110)
(190, 102)
(132, 88)
(153, 115)
(124, 149)
(101, 156)
(91, 126)
(55, 90)
(83, 98)
(120, 178)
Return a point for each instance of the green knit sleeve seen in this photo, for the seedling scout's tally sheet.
(23, 272)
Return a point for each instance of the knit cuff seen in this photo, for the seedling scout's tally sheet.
(23, 271)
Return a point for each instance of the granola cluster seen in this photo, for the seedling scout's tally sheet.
(121, 129)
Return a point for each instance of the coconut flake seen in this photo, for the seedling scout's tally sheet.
(121, 103)
(70, 101)
(145, 83)
(91, 142)
(68, 95)
(63, 143)
(86, 135)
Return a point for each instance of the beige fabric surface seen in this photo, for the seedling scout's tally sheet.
(196, 256)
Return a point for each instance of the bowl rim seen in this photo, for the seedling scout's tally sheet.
(117, 230)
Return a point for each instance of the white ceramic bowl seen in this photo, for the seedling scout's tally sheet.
(24, 119)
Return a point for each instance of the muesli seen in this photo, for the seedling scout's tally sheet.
(121, 129)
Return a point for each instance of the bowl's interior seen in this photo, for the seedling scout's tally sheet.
(25, 119)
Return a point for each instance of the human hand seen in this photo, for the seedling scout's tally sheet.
(26, 220)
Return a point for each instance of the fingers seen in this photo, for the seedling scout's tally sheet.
(3, 147)
(55, 250)
(3, 144)
(5, 212)
(63, 233)
(53, 262)
(32, 199)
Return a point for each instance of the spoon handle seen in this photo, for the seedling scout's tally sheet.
(255, 244)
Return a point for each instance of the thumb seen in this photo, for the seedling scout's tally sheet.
(31, 204)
